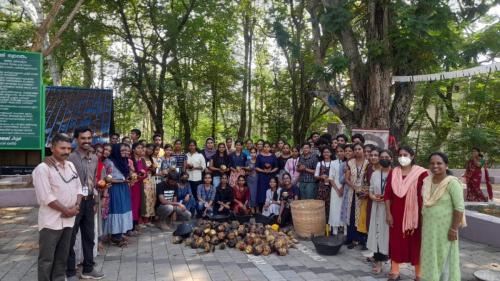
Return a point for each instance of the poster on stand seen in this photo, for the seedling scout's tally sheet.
(378, 138)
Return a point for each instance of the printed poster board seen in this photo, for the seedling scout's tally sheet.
(380, 138)
(21, 101)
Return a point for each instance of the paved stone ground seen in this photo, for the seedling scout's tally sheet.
(152, 257)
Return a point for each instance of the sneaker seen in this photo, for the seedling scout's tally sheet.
(72, 278)
(93, 275)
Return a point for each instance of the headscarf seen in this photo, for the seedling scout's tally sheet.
(121, 163)
(209, 154)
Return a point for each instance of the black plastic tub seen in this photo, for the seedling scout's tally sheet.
(328, 246)
(242, 218)
(264, 219)
(220, 218)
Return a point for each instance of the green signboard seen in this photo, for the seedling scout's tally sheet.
(21, 100)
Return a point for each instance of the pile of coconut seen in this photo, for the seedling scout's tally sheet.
(255, 239)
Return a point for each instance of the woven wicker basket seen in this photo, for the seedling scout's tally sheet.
(308, 217)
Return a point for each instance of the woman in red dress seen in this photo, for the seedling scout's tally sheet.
(403, 200)
(473, 178)
(241, 197)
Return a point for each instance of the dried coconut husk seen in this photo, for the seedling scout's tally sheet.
(249, 249)
(207, 238)
(213, 232)
(188, 241)
(214, 240)
(221, 235)
(258, 250)
(222, 246)
(266, 250)
(283, 251)
(231, 243)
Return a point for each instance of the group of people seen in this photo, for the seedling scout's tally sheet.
(407, 214)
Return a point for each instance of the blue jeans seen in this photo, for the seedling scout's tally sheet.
(307, 190)
(216, 181)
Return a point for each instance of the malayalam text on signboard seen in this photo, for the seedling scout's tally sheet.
(20, 100)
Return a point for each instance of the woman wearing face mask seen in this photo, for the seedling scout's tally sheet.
(337, 192)
(442, 215)
(403, 202)
(355, 173)
(185, 194)
(378, 236)
(473, 175)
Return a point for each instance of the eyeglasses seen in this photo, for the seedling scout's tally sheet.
(73, 177)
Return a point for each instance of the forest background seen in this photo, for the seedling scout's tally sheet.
(275, 69)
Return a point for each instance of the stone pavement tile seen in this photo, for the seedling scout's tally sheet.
(327, 277)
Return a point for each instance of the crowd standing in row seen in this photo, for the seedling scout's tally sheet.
(407, 214)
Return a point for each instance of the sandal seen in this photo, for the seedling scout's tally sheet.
(394, 277)
(119, 242)
(377, 269)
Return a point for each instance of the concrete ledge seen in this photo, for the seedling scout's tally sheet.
(481, 228)
(493, 173)
(18, 197)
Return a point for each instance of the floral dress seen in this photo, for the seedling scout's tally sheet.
(149, 192)
(324, 188)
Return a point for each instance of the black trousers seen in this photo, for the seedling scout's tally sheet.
(194, 188)
(53, 253)
(85, 222)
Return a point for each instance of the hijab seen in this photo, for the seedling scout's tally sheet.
(209, 153)
(121, 163)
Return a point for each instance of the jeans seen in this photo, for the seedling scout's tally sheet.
(85, 222)
(201, 208)
(164, 211)
(194, 188)
(53, 253)
(307, 190)
(216, 181)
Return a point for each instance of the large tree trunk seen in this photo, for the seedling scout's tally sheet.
(244, 94)
(88, 72)
(377, 95)
(400, 109)
(214, 108)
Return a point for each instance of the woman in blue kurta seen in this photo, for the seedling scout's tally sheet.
(119, 219)
(266, 167)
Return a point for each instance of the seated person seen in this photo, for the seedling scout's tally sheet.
(241, 197)
(166, 203)
(273, 202)
(223, 197)
(289, 193)
(185, 194)
(206, 196)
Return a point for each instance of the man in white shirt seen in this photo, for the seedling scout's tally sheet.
(59, 191)
(195, 164)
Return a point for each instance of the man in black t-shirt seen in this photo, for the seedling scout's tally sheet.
(166, 203)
